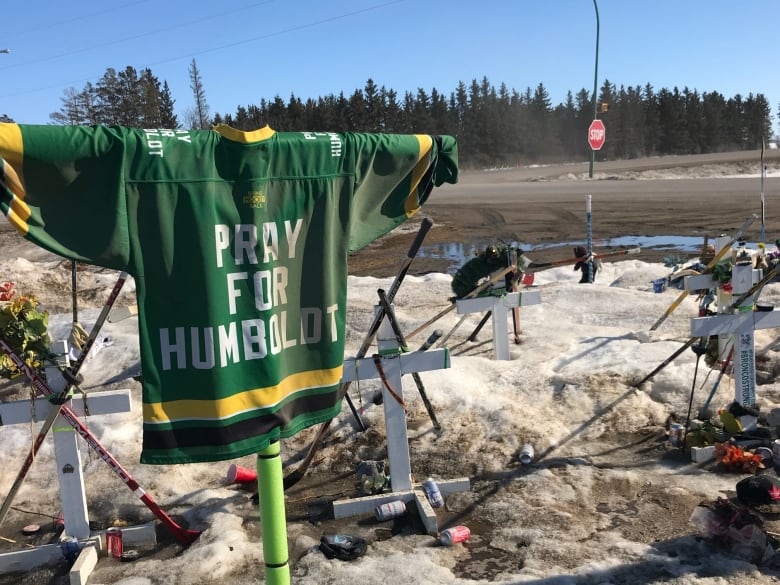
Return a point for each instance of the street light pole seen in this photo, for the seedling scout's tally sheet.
(595, 87)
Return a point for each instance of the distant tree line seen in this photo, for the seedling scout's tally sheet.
(494, 126)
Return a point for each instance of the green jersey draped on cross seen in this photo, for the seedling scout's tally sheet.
(238, 244)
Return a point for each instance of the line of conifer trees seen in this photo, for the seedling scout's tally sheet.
(494, 126)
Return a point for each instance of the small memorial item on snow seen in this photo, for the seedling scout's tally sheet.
(343, 546)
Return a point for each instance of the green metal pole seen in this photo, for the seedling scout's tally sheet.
(273, 521)
(595, 87)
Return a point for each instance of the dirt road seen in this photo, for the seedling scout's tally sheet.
(702, 195)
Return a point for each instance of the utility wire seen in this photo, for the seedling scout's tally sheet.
(191, 55)
(134, 37)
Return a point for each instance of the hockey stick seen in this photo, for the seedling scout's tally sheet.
(755, 288)
(763, 207)
(512, 285)
(71, 374)
(723, 367)
(485, 285)
(537, 266)
(295, 476)
(479, 326)
(399, 336)
(122, 313)
(183, 535)
(707, 269)
(501, 274)
(666, 362)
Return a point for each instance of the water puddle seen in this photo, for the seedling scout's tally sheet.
(458, 253)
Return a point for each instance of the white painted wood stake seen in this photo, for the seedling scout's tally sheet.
(500, 307)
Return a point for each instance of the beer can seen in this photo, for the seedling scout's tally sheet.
(454, 535)
(433, 493)
(390, 510)
(527, 454)
(676, 434)
(70, 548)
(114, 546)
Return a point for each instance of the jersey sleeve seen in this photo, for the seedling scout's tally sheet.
(395, 175)
(63, 189)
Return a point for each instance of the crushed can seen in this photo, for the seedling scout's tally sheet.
(454, 535)
(390, 510)
(433, 493)
(114, 546)
(70, 547)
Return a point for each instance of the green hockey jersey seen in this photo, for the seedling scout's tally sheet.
(238, 243)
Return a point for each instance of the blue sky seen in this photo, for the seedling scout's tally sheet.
(248, 50)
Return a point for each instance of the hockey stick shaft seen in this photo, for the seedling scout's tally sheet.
(390, 313)
(295, 476)
(494, 279)
(480, 325)
(183, 535)
(537, 266)
(667, 361)
(485, 285)
(724, 366)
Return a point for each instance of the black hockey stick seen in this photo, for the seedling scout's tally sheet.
(399, 336)
(295, 476)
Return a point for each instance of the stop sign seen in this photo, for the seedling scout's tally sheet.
(597, 134)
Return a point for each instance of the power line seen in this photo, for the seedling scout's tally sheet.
(28, 32)
(134, 37)
(190, 56)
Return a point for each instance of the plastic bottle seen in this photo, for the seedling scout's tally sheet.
(432, 493)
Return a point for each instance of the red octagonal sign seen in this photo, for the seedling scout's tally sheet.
(597, 134)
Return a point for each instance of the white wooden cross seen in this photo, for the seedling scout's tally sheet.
(394, 364)
(69, 473)
(500, 305)
(740, 324)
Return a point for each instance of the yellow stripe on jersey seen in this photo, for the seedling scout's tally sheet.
(18, 212)
(224, 408)
(412, 201)
(243, 137)
(12, 147)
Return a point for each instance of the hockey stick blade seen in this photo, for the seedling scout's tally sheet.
(183, 535)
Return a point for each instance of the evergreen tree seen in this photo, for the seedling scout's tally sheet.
(757, 116)
(373, 108)
(694, 122)
(168, 117)
(392, 119)
(651, 121)
(130, 98)
(714, 111)
(201, 108)
(357, 113)
(108, 98)
(493, 127)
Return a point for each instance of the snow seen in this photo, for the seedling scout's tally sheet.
(587, 510)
